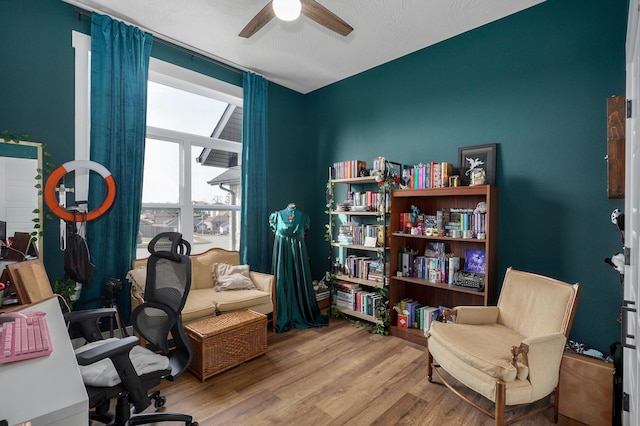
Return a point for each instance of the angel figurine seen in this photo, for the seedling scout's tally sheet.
(477, 175)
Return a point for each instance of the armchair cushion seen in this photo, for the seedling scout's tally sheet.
(103, 374)
(535, 305)
(235, 300)
(486, 348)
(201, 303)
(231, 277)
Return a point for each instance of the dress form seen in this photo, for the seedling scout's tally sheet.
(296, 305)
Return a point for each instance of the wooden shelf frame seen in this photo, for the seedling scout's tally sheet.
(382, 218)
(428, 293)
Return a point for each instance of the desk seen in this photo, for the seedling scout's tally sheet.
(47, 390)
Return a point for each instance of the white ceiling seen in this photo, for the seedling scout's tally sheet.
(302, 55)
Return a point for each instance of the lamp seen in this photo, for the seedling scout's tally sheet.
(287, 10)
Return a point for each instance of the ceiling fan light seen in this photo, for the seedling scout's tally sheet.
(287, 10)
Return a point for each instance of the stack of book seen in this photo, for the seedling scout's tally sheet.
(322, 294)
(346, 294)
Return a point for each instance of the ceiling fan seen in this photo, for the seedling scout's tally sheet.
(310, 8)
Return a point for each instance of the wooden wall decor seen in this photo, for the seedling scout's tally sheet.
(616, 118)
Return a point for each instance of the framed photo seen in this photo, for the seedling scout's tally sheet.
(478, 156)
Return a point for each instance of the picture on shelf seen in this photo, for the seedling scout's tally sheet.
(477, 164)
(475, 261)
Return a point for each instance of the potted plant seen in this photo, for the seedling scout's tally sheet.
(67, 290)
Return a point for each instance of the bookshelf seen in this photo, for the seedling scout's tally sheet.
(427, 292)
(355, 261)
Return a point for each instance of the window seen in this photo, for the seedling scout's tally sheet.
(192, 159)
(193, 153)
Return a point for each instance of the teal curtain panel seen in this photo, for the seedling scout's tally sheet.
(119, 71)
(254, 215)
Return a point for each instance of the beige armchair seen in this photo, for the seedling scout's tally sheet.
(509, 353)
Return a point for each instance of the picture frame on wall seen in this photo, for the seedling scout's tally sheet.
(478, 156)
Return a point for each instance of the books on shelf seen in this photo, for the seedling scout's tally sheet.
(365, 268)
(430, 175)
(348, 169)
(461, 219)
(417, 316)
(352, 296)
(352, 233)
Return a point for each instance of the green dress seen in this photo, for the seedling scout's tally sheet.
(296, 305)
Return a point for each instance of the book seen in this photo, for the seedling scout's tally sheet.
(446, 170)
(475, 261)
(428, 317)
(412, 308)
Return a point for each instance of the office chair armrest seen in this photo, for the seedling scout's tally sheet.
(117, 350)
(88, 321)
(110, 349)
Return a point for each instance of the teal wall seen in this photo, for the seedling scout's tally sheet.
(535, 83)
(37, 87)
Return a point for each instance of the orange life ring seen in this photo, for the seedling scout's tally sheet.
(50, 189)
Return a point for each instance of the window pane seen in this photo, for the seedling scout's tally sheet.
(153, 222)
(207, 173)
(161, 172)
(215, 228)
(175, 109)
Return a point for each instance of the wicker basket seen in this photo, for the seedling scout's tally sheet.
(224, 341)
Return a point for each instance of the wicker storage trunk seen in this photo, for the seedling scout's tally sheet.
(224, 341)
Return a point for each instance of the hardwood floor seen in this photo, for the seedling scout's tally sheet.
(336, 375)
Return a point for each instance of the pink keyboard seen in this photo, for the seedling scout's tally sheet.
(24, 336)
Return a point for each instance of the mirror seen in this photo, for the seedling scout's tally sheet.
(20, 189)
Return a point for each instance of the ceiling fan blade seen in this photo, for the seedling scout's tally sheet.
(258, 21)
(323, 16)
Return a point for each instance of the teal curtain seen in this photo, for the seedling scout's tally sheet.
(119, 70)
(254, 216)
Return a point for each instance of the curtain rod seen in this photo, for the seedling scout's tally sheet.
(174, 45)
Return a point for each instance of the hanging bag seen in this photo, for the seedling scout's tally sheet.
(77, 261)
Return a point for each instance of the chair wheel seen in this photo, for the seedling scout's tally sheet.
(193, 424)
(160, 401)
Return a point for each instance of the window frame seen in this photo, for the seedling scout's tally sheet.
(170, 75)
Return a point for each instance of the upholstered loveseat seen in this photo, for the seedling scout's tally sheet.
(204, 300)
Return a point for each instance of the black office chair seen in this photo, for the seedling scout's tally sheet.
(157, 320)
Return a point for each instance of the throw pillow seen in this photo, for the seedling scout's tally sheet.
(231, 277)
(138, 279)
